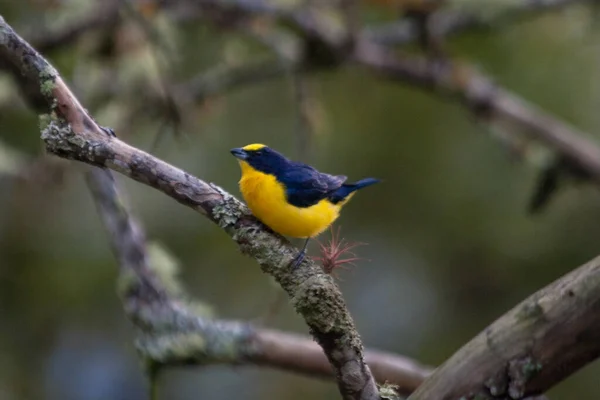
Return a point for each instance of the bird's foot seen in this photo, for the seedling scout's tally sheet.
(298, 259)
(108, 131)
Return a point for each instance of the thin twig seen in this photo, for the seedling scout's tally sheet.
(158, 49)
(305, 129)
(226, 78)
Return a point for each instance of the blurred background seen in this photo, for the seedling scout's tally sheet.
(450, 244)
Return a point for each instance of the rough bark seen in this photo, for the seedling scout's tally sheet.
(541, 341)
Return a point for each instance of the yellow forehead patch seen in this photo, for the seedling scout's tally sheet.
(253, 147)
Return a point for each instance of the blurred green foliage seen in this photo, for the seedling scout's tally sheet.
(450, 245)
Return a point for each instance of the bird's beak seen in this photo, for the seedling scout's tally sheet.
(239, 153)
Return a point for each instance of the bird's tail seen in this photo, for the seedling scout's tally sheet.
(346, 191)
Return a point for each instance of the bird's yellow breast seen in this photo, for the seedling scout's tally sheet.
(266, 198)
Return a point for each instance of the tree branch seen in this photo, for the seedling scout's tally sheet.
(451, 22)
(397, 33)
(534, 346)
(486, 100)
(297, 354)
(72, 133)
(172, 333)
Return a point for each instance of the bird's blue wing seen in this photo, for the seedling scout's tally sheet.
(305, 186)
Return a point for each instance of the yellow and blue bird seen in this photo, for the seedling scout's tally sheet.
(292, 198)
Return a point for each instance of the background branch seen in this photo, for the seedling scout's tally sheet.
(227, 78)
(541, 341)
(487, 100)
(484, 98)
(459, 20)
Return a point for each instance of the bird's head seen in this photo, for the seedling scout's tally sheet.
(259, 157)
(249, 152)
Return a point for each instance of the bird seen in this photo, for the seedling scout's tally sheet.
(292, 198)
